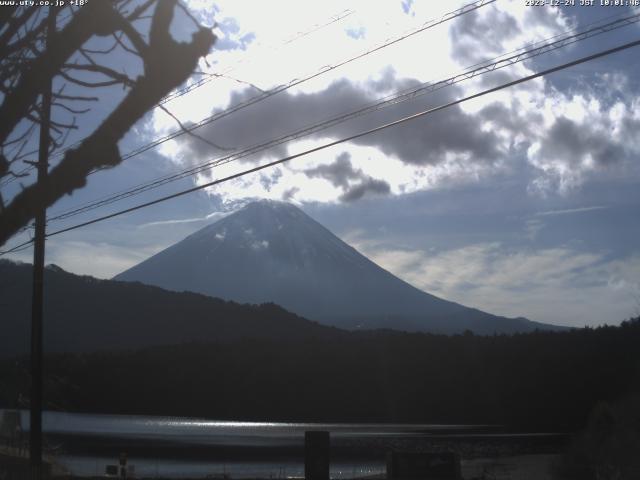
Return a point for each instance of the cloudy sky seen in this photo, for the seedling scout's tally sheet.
(523, 202)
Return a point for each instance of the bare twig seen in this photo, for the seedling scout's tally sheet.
(167, 64)
(101, 69)
(75, 98)
(83, 83)
(69, 109)
(191, 133)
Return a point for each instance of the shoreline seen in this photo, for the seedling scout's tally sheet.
(352, 446)
(349, 457)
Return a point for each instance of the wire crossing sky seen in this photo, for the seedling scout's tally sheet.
(520, 203)
(343, 140)
(407, 95)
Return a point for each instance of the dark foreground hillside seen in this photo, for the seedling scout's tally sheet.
(538, 381)
(84, 314)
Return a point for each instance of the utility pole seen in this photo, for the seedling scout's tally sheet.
(35, 428)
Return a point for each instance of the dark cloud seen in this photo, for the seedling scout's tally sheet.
(499, 77)
(570, 142)
(422, 141)
(338, 173)
(276, 116)
(427, 140)
(354, 183)
(492, 29)
(366, 187)
(290, 193)
(513, 118)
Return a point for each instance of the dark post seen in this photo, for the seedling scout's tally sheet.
(35, 428)
(316, 455)
(123, 465)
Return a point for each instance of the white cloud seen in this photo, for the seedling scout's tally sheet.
(554, 285)
(525, 125)
(214, 215)
(582, 138)
(531, 123)
(259, 245)
(569, 211)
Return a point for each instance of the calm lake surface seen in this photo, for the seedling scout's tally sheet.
(160, 447)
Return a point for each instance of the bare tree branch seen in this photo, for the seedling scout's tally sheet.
(167, 64)
(135, 38)
(106, 71)
(100, 52)
(140, 10)
(72, 126)
(69, 109)
(22, 42)
(95, 18)
(82, 83)
(75, 98)
(14, 24)
(191, 132)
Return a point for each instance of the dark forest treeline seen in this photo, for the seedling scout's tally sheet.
(537, 381)
(85, 314)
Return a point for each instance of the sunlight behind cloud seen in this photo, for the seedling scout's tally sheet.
(520, 119)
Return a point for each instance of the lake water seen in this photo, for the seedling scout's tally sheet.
(170, 447)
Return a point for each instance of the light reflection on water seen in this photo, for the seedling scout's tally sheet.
(134, 425)
(199, 432)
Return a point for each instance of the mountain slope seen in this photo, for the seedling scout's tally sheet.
(273, 252)
(84, 314)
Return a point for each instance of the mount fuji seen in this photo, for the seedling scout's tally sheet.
(273, 252)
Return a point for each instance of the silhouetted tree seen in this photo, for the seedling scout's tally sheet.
(27, 63)
(609, 445)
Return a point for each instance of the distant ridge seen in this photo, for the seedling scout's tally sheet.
(84, 314)
(272, 251)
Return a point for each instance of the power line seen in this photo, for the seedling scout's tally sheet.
(408, 33)
(187, 89)
(342, 140)
(253, 100)
(358, 135)
(26, 170)
(18, 248)
(37, 298)
(293, 83)
(20, 174)
(394, 99)
(183, 91)
(583, 28)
